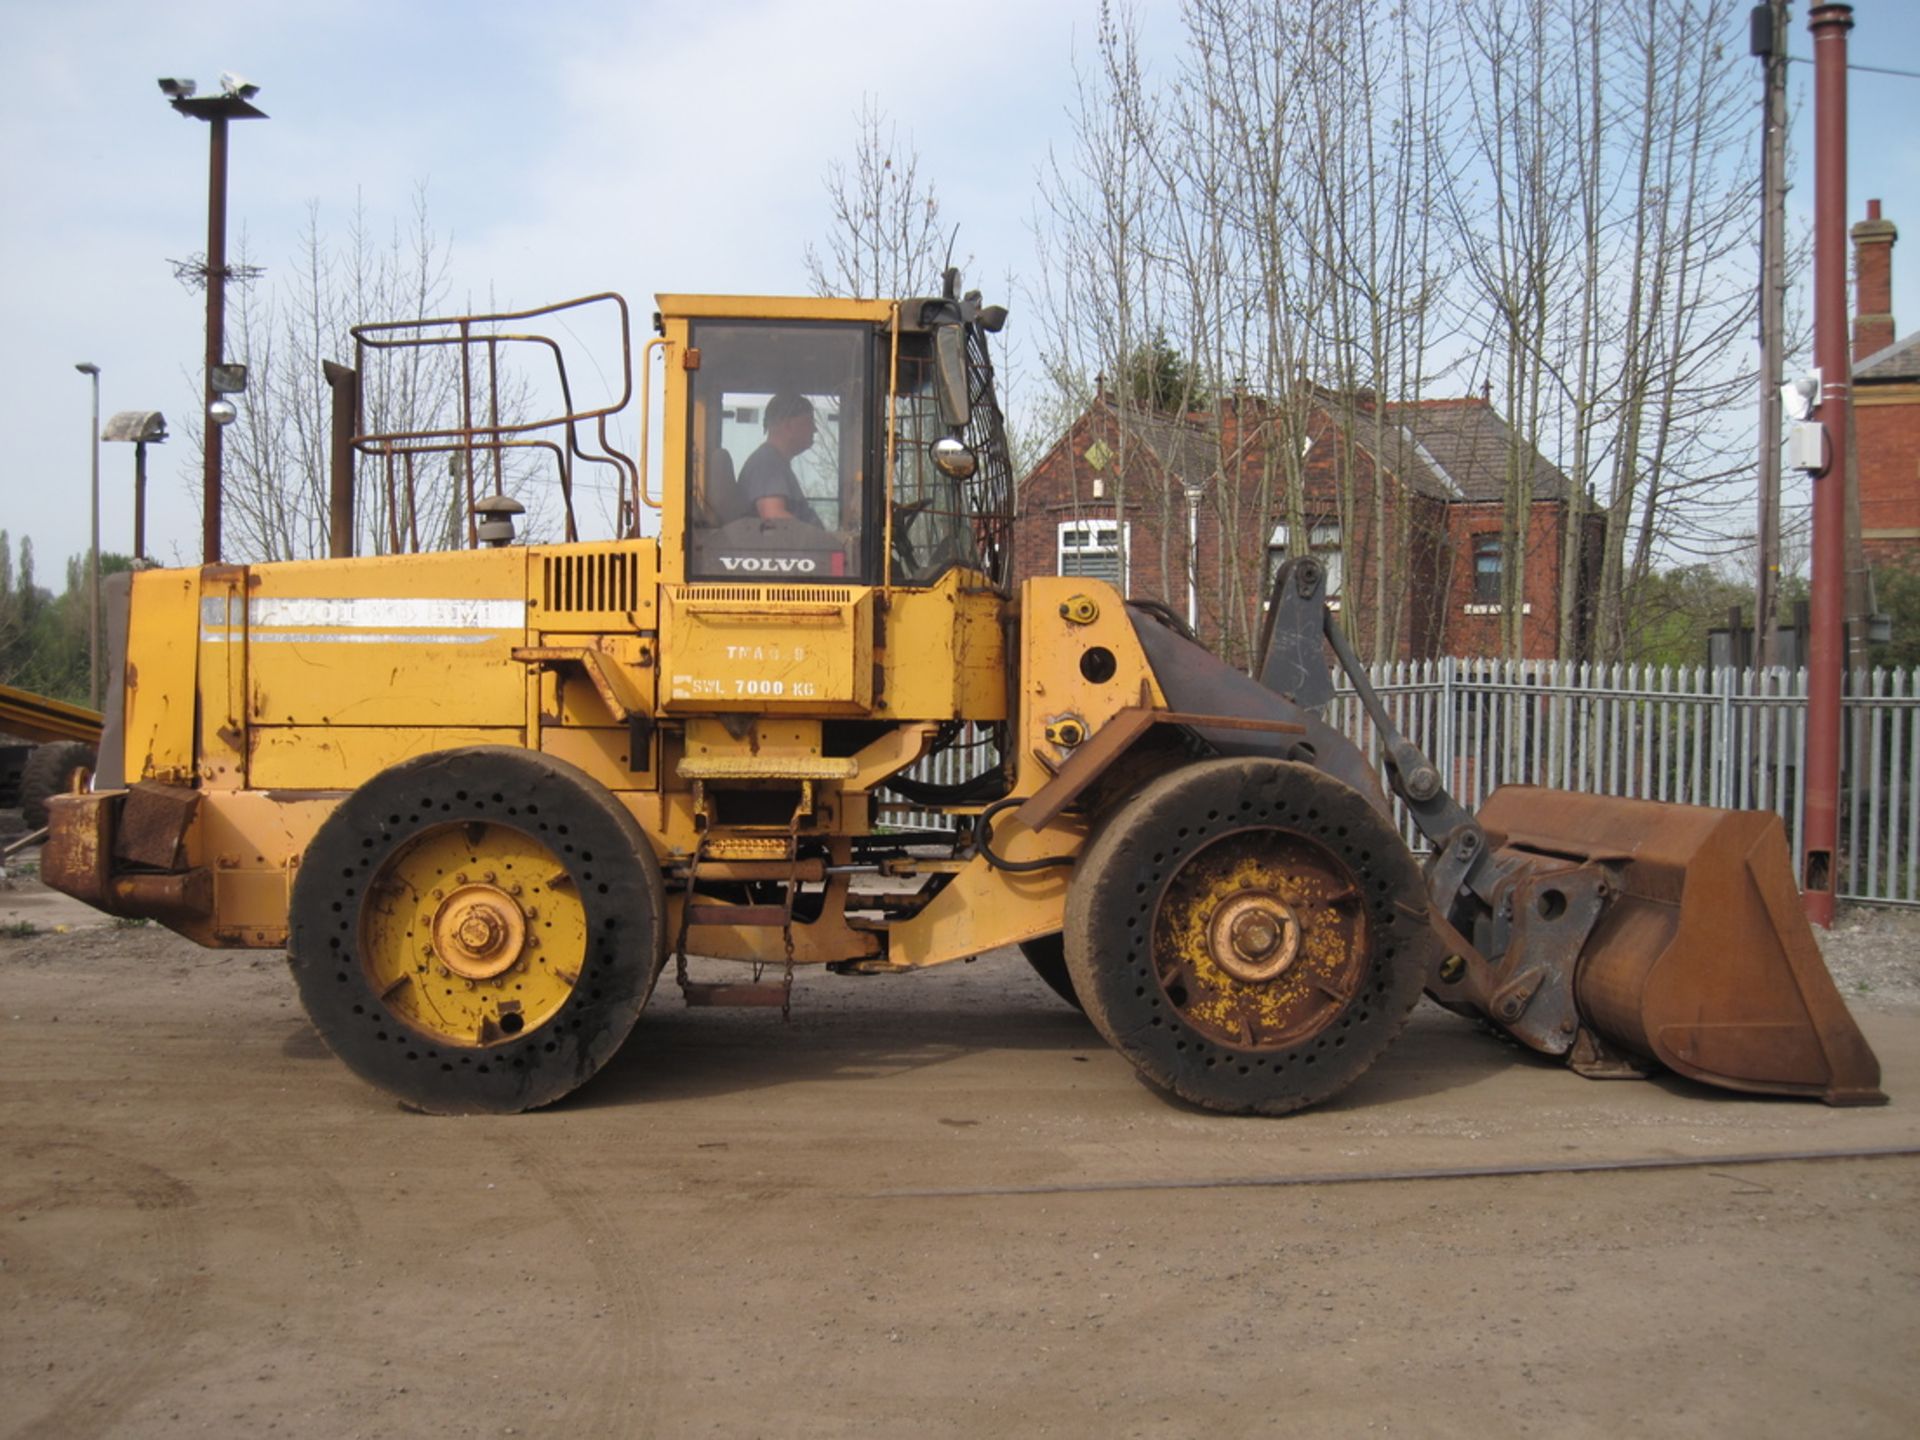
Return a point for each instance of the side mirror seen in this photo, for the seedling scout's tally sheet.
(950, 375)
(953, 459)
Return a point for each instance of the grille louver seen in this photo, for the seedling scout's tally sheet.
(580, 583)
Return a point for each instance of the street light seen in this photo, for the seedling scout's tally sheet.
(233, 103)
(92, 371)
(142, 428)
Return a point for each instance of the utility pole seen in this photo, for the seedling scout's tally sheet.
(1769, 27)
(1827, 639)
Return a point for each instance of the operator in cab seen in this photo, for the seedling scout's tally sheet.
(767, 482)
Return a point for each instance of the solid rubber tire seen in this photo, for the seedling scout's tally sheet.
(47, 773)
(1118, 886)
(615, 875)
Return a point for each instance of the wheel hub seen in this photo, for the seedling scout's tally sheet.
(1259, 938)
(1254, 937)
(479, 932)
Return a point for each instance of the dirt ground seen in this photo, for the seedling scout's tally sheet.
(931, 1205)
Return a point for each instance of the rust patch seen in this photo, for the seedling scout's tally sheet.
(76, 860)
(153, 825)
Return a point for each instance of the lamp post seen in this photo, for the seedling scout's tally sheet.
(142, 428)
(233, 103)
(92, 372)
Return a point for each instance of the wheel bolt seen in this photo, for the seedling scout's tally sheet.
(1255, 935)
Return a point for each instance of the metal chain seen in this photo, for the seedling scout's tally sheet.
(686, 911)
(793, 886)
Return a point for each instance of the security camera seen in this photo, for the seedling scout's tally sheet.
(1800, 395)
(177, 89)
(238, 85)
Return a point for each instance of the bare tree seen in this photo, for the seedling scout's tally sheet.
(276, 452)
(883, 237)
(1329, 208)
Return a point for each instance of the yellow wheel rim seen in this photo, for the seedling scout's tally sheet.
(473, 933)
(1261, 939)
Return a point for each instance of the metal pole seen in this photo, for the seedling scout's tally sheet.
(216, 333)
(1193, 558)
(1773, 288)
(140, 500)
(345, 384)
(1827, 642)
(93, 558)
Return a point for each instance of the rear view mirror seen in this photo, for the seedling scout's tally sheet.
(950, 375)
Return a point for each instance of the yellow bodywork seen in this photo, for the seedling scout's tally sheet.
(264, 694)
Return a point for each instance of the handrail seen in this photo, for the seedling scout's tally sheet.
(642, 495)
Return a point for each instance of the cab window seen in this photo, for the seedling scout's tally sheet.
(779, 451)
(933, 524)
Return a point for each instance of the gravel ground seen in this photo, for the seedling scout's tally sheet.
(933, 1205)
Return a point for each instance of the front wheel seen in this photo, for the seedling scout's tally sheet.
(1250, 933)
(476, 931)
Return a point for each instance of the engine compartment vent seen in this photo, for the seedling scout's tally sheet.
(763, 594)
(606, 581)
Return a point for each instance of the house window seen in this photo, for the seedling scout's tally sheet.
(1323, 543)
(1488, 565)
(1094, 548)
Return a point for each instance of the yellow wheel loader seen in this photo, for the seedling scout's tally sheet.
(486, 797)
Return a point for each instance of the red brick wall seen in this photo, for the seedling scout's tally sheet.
(1468, 633)
(1437, 573)
(1887, 430)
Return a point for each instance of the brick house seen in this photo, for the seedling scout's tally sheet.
(1886, 403)
(1130, 496)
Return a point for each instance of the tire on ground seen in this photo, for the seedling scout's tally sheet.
(1250, 933)
(477, 930)
(56, 769)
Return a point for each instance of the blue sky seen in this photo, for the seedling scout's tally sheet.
(580, 146)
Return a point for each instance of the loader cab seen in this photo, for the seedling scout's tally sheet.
(839, 443)
(780, 448)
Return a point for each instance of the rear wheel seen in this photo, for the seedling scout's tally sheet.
(1249, 932)
(62, 768)
(477, 931)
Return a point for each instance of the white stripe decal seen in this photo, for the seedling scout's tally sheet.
(368, 613)
(335, 637)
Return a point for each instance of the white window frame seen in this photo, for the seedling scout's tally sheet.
(1105, 539)
(1323, 542)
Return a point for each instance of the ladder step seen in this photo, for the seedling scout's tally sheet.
(773, 915)
(700, 992)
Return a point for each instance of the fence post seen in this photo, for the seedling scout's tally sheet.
(1723, 763)
(1445, 759)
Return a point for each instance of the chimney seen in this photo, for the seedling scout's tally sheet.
(1873, 277)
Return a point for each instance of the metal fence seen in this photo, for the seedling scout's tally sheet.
(1696, 736)
(1731, 738)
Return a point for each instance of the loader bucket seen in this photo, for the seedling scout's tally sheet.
(1703, 959)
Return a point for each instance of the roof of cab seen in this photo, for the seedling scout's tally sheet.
(773, 307)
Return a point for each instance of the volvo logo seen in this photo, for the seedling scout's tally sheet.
(771, 564)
